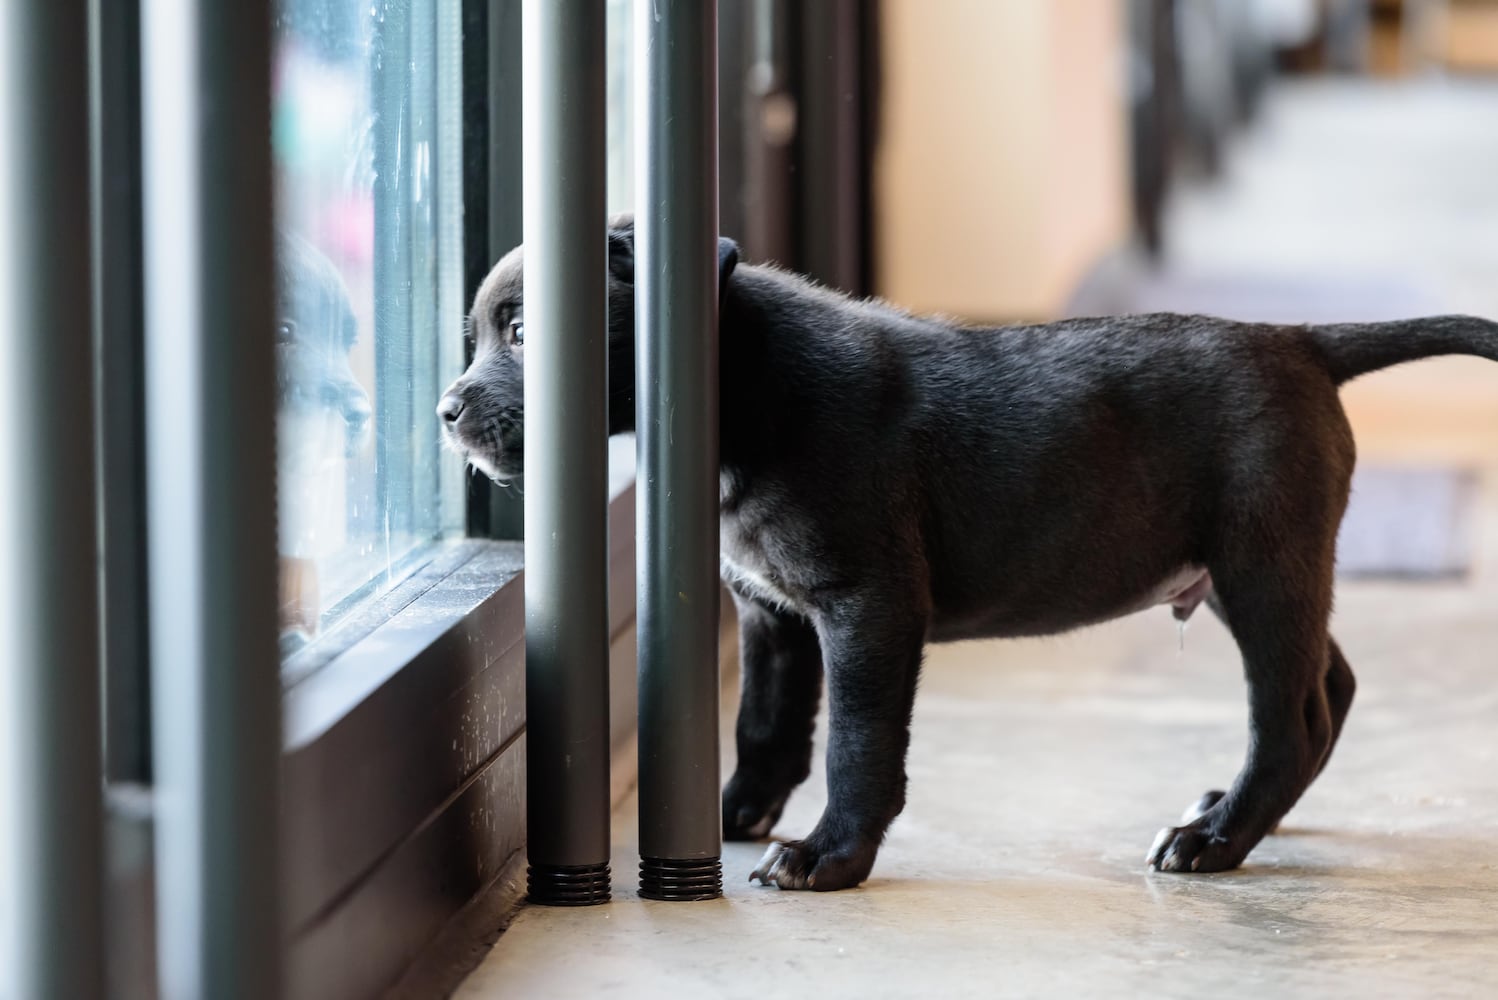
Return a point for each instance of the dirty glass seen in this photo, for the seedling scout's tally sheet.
(619, 41)
(365, 121)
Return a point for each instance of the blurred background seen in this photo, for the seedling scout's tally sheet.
(1031, 159)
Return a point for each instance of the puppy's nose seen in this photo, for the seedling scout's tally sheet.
(450, 408)
(356, 414)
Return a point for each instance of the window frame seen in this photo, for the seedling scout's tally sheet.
(405, 725)
(373, 803)
(119, 336)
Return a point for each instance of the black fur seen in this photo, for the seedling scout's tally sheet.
(889, 480)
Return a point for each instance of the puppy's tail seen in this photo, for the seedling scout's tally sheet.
(1353, 349)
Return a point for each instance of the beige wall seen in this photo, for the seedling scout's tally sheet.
(1002, 173)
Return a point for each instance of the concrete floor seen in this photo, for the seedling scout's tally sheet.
(1041, 770)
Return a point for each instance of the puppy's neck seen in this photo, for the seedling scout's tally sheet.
(759, 316)
(767, 316)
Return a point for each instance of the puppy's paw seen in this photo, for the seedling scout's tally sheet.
(751, 807)
(1199, 808)
(1194, 847)
(1203, 805)
(807, 864)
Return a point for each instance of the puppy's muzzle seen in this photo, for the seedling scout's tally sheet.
(450, 408)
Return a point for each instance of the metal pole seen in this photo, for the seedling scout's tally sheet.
(676, 304)
(51, 850)
(566, 472)
(118, 337)
(210, 428)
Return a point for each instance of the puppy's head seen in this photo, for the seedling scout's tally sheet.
(483, 412)
(315, 329)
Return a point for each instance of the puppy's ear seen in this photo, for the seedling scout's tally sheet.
(728, 259)
(622, 254)
(622, 247)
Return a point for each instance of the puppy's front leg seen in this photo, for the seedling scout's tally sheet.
(872, 651)
(780, 661)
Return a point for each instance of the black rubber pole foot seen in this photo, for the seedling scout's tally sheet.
(681, 879)
(567, 885)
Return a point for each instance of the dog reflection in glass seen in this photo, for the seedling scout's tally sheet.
(322, 418)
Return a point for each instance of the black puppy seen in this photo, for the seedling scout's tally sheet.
(889, 480)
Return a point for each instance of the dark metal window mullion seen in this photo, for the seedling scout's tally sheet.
(492, 202)
(119, 341)
(49, 649)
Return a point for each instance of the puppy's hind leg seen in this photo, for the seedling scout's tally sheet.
(1340, 685)
(1340, 688)
(780, 668)
(1277, 612)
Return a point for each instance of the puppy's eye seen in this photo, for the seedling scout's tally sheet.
(285, 332)
(517, 332)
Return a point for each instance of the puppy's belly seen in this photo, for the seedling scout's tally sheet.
(1184, 590)
(1020, 613)
(1010, 612)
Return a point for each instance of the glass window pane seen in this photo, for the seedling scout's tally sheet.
(365, 143)
(619, 41)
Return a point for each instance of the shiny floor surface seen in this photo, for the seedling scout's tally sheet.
(1040, 771)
